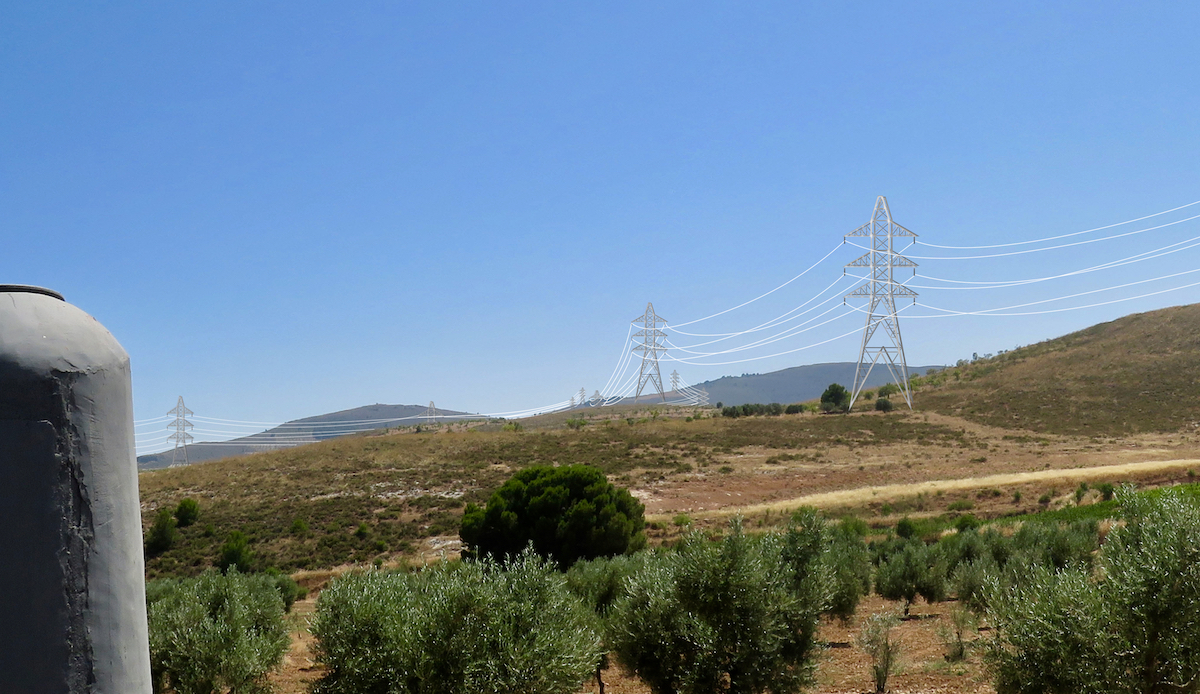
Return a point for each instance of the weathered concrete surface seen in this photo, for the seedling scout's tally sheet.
(72, 591)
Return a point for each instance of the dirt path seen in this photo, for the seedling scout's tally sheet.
(862, 495)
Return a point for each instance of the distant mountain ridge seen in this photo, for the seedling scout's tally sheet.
(300, 431)
(796, 384)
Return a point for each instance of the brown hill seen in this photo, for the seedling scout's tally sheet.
(1136, 374)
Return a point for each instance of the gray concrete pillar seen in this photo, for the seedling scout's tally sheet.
(72, 587)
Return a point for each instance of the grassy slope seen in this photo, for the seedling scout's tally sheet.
(367, 497)
(1137, 374)
(405, 487)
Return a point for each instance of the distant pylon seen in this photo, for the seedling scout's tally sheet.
(181, 425)
(582, 396)
(430, 413)
(881, 291)
(650, 347)
(596, 399)
(572, 402)
(675, 381)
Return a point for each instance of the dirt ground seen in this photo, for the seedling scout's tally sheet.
(885, 482)
(843, 668)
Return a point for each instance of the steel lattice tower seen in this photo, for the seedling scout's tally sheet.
(881, 291)
(430, 413)
(675, 381)
(651, 346)
(181, 426)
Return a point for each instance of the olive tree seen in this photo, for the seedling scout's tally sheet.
(736, 616)
(215, 633)
(455, 628)
(1130, 625)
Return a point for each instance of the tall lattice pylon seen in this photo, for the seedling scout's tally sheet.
(674, 380)
(651, 347)
(881, 291)
(431, 414)
(181, 426)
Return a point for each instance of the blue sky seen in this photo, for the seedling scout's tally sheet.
(282, 209)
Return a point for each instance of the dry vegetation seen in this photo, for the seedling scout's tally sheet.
(1005, 436)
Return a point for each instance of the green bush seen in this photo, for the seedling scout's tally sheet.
(850, 570)
(906, 528)
(884, 405)
(455, 628)
(236, 553)
(187, 512)
(888, 389)
(914, 570)
(162, 533)
(215, 633)
(1133, 625)
(289, 590)
(835, 398)
(568, 513)
(720, 616)
(794, 408)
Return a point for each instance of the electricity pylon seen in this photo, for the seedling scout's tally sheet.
(596, 399)
(430, 413)
(582, 396)
(181, 425)
(651, 346)
(881, 291)
(674, 380)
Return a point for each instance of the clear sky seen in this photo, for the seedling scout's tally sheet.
(284, 209)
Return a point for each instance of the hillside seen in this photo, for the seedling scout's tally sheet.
(797, 384)
(1136, 374)
(994, 438)
(306, 430)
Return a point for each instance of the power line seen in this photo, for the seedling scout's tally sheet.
(1060, 236)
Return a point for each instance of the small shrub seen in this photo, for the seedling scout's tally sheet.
(299, 528)
(289, 590)
(682, 520)
(966, 522)
(236, 553)
(794, 408)
(162, 533)
(1044, 499)
(835, 398)
(1106, 490)
(961, 505)
(725, 469)
(906, 528)
(1017, 497)
(512, 426)
(884, 405)
(187, 512)
(877, 640)
(962, 624)
(215, 633)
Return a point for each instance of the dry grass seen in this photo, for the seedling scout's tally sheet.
(1137, 374)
